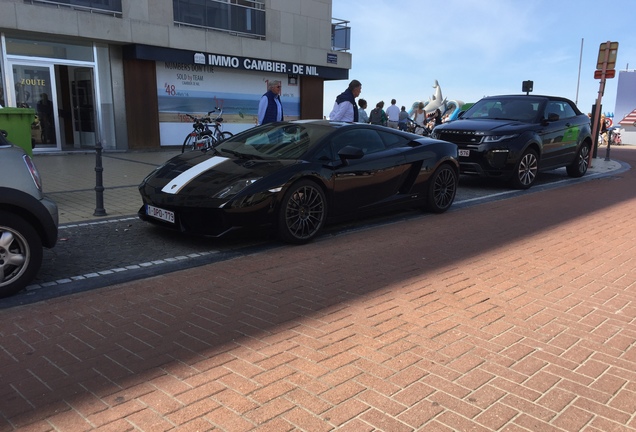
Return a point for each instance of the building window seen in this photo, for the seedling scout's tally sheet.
(110, 7)
(243, 17)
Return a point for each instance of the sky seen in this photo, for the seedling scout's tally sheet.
(477, 48)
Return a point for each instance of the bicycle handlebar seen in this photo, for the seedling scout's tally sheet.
(208, 119)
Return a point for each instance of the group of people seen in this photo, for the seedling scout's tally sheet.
(346, 109)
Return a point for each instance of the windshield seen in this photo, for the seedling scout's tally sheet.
(522, 108)
(274, 141)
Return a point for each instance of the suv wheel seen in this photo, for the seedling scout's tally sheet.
(20, 253)
(578, 167)
(525, 172)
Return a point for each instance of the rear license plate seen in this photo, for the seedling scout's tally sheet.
(464, 153)
(159, 213)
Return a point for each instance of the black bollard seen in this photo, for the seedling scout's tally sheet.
(99, 184)
(609, 143)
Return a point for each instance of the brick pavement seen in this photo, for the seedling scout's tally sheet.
(513, 315)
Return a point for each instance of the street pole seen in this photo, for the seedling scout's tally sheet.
(609, 143)
(601, 91)
(578, 81)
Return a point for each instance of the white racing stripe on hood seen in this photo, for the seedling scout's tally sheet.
(180, 181)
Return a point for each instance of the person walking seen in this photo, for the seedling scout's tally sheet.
(270, 107)
(393, 115)
(45, 114)
(419, 117)
(363, 117)
(378, 116)
(435, 119)
(345, 107)
(403, 119)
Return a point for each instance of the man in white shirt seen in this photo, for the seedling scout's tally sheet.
(393, 115)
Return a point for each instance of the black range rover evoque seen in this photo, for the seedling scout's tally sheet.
(514, 137)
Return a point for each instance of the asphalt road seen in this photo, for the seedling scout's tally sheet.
(106, 252)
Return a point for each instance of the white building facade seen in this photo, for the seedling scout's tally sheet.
(125, 73)
(625, 111)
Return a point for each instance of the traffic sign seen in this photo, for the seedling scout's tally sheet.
(612, 47)
(611, 73)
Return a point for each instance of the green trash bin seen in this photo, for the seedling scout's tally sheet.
(17, 122)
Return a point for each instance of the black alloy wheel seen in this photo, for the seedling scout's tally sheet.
(526, 170)
(442, 189)
(302, 213)
(579, 165)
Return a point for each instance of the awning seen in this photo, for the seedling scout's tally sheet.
(629, 120)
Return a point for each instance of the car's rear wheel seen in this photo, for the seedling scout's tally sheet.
(578, 167)
(302, 213)
(526, 170)
(20, 253)
(442, 189)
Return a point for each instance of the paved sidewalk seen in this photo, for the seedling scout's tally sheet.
(70, 180)
(513, 315)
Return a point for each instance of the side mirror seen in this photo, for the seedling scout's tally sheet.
(4, 133)
(350, 152)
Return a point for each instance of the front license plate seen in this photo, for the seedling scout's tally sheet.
(464, 153)
(159, 213)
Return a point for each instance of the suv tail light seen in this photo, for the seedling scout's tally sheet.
(35, 175)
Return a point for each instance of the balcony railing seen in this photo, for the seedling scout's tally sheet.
(340, 35)
(109, 7)
(242, 17)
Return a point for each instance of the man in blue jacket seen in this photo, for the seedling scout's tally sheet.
(270, 108)
(345, 108)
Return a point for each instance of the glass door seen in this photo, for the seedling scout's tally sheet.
(34, 87)
(83, 106)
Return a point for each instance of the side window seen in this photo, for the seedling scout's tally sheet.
(392, 141)
(552, 111)
(367, 140)
(558, 110)
(568, 111)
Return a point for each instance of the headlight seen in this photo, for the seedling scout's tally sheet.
(434, 135)
(497, 138)
(234, 188)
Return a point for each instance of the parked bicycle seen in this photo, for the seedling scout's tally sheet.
(202, 136)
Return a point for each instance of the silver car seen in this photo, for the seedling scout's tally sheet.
(28, 220)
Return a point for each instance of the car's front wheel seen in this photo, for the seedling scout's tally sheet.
(302, 213)
(578, 167)
(20, 253)
(442, 189)
(526, 170)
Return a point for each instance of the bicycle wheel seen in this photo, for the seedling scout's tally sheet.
(189, 142)
(225, 135)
